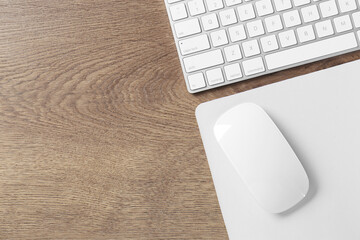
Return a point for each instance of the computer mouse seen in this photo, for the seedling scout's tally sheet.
(262, 157)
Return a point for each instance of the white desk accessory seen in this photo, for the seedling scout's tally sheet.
(262, 157)
(221, 42)
(319, 115)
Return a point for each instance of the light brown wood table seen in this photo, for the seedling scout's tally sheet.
(98, 138)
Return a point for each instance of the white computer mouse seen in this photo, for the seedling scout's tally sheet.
(262, 157)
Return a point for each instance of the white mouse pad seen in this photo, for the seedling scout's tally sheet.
(319, 115)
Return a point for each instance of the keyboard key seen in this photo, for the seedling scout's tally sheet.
(233, 71)
(196, 81)
(178, 11)
(246, 12)
(234, 40)
(196, 7)
(210, 22)
(301, 2)
(253, 66)
(324, 28)
(287, 38)
(310, 13)
(328, 8)
(269, 43)
(194, 44)
(264, 7)
(343, 23)
(230, 3)
(282, 5)
(215, 76)
(273, 23)
(311, 51)
(228, 17)
(356, 18)
(187, 28)
(204, 60)
(219, 38)
(255, 28)
(237, 33)
(347, 5)
(232, 53)
(214, 4)
(305, 34)
(251, 48)
(292, 18)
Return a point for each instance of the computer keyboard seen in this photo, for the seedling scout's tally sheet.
(220, 42)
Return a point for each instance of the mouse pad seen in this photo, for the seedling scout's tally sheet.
(319, 115)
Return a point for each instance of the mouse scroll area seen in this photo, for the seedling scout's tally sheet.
(262, 157)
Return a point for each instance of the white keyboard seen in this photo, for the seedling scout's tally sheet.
(225, 41)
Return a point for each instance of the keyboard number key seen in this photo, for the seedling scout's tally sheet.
(215, 76)
(196, 81)
(178, 12)
(233, 72)
(196, 7)
(214, 4)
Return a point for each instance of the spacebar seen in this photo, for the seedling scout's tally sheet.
(311, 51)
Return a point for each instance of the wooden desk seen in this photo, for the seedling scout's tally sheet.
(98, 138)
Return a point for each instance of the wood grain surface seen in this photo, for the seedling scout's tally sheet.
(98, 138)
